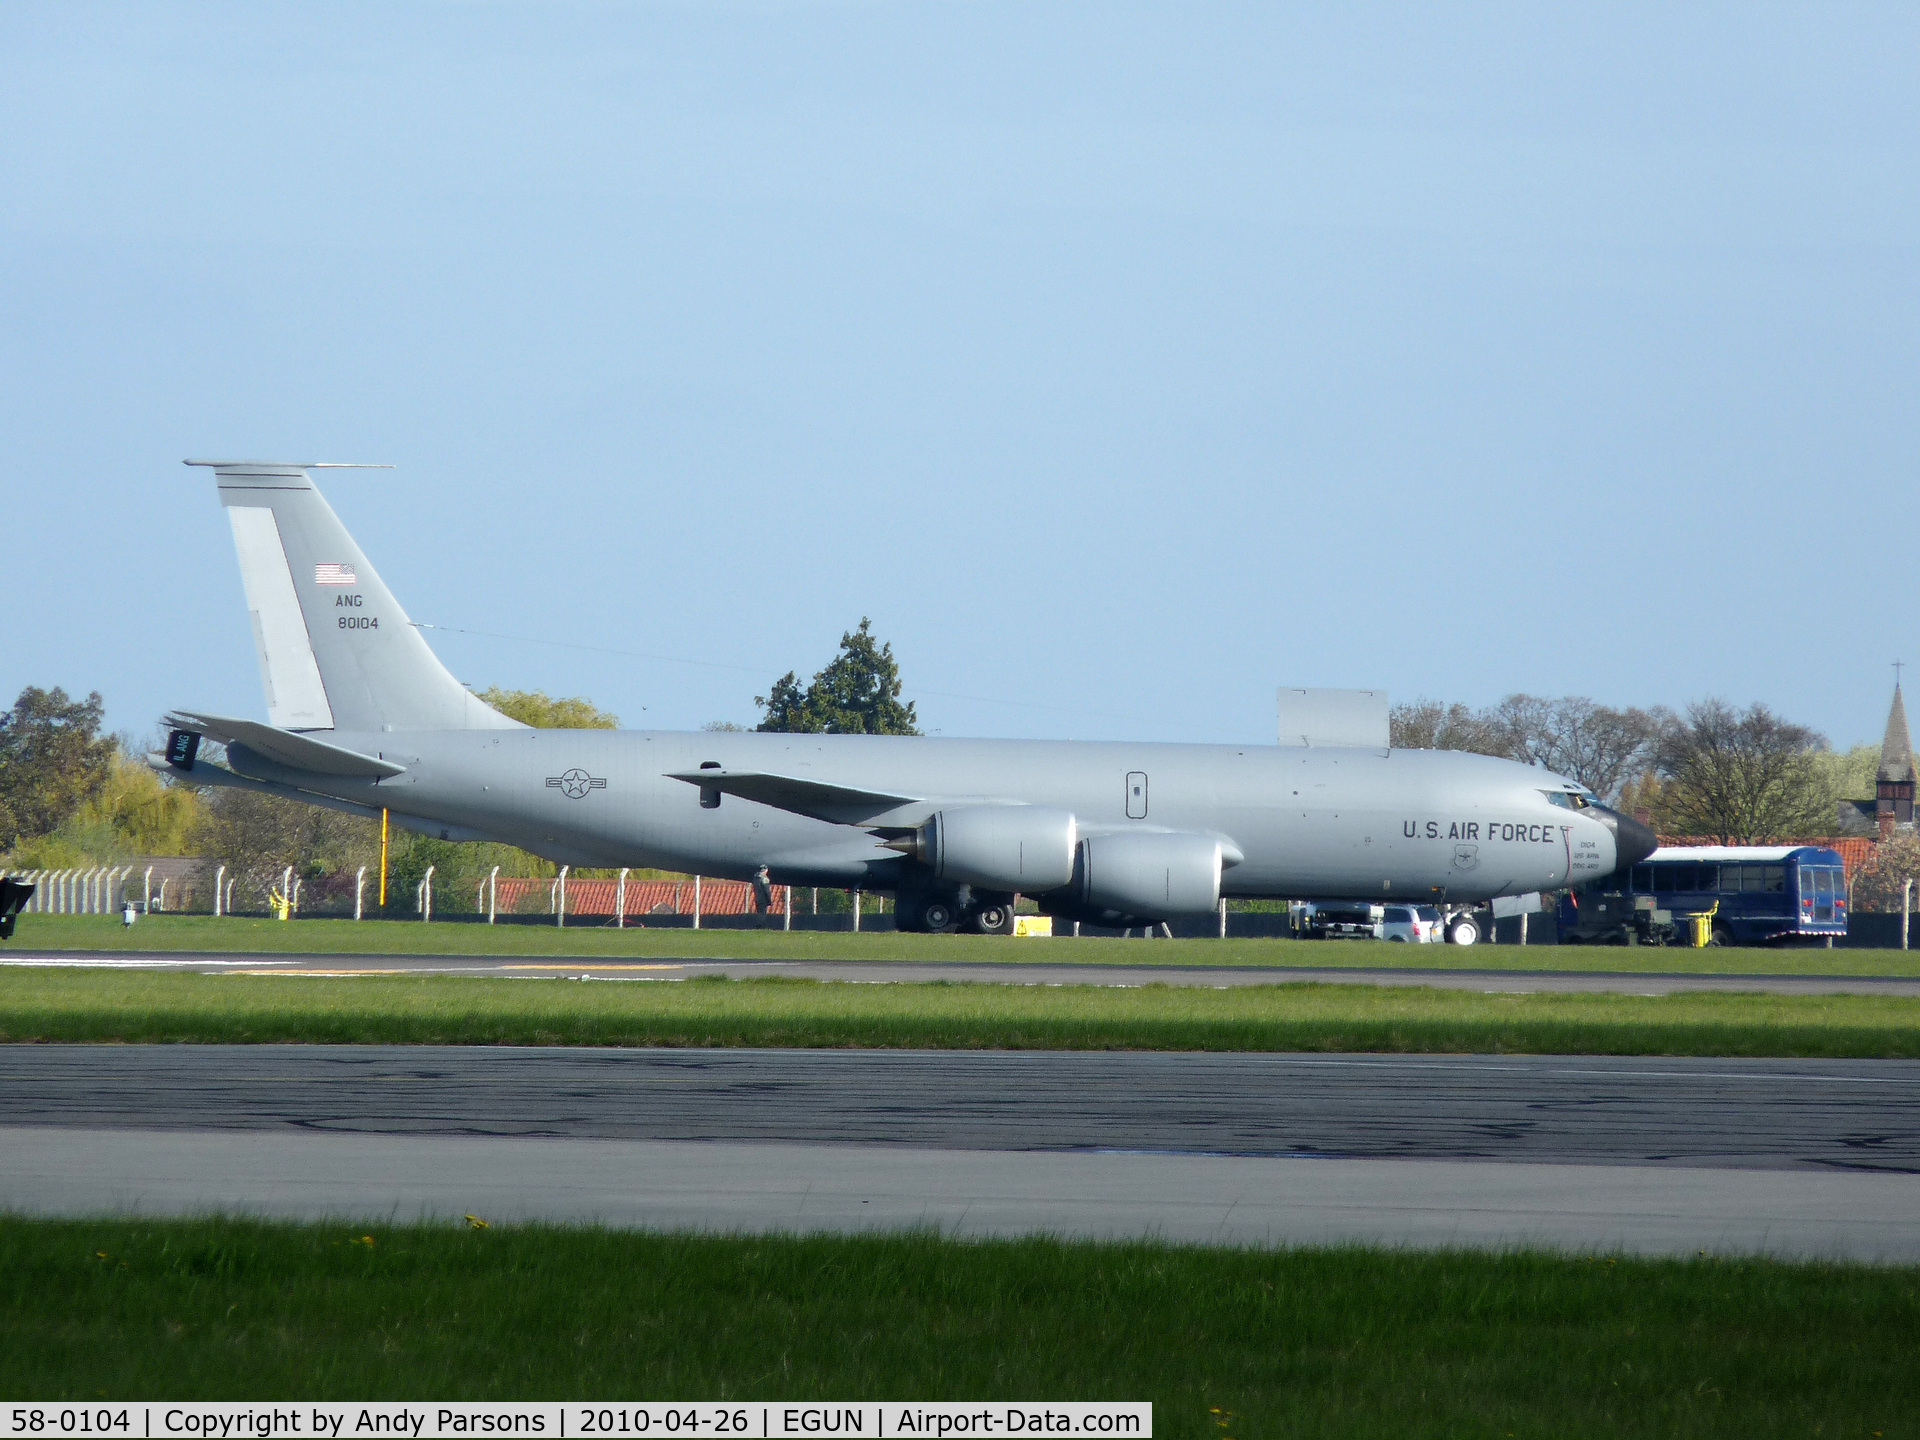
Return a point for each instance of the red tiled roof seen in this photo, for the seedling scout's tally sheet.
(644, 897)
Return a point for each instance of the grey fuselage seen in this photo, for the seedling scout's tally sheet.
(1306, 821)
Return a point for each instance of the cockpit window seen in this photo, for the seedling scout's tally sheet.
(1569, 799)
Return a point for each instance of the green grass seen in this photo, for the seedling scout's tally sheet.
(203, 933)
(154, 1007)
(1225, 1343)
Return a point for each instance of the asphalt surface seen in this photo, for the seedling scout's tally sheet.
(785, 1188)
(995, 972)
(1664, 1157)
(1860, 1115)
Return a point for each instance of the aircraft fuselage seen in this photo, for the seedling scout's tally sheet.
(1325, 821)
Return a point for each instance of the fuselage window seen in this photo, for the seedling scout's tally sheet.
(1137, 795)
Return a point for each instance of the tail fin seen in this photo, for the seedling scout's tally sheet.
(336, 650)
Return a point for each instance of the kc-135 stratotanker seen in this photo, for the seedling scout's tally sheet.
(363, 717)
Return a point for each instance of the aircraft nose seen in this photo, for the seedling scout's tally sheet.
(1632, 841)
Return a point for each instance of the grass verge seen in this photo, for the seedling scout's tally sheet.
(1240, 1344)
(202, 933)
(158, 1007)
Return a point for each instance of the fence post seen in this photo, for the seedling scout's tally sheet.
(1906, 912)
(426, 894)
(146, 901)
(163, 895)
(294, 899)
(620, 901)
(1223, 919)
(696, 902)
(359, 890)
(219, 889)
(560, 898)
(786, 920)
(856, 910)
(286, 893)
(493, 894)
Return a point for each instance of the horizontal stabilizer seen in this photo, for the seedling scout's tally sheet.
(204, 773)
(296, 752)
(840, 804)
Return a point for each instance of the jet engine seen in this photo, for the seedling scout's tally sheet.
(997, 847)
(1127, 878)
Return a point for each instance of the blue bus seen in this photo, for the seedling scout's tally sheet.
(1759, 894)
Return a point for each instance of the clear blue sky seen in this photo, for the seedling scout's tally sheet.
(1122, 362)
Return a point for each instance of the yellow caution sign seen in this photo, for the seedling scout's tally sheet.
(1033, 925)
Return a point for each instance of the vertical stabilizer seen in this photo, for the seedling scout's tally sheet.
(336, 650)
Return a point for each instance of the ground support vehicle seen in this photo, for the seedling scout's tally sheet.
(1751, 894)
(1337, 920)
(1592, 917)
(1411, 924)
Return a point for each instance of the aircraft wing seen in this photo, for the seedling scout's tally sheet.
(840, 804)
(296, 752)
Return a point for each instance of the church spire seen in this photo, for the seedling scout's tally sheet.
(1896, 751)
(1893, 788)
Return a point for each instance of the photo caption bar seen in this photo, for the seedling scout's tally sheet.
(568, 1420)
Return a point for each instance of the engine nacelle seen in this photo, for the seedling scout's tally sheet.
(999, 847)
(1149, 876)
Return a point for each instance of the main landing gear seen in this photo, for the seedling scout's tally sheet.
(943, 914)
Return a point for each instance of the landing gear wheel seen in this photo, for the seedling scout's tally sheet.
(1462, 930)
(936, 917)
(1722, 935)
(995, 917)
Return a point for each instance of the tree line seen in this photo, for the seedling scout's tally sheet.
(1735, 776)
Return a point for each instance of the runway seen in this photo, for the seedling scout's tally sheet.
(1656, 1156)
(1215, 1200)
(1753, 1114)
(669, 968)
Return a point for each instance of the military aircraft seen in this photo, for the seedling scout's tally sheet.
(362, 717)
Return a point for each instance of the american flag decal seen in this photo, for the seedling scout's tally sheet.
(334, 575)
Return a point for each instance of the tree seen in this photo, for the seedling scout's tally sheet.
(1600, 747)
(134, 812)
(1743, 777)
(544, 712)
(53, 759)
(1427, 724)
(257, 836)
(1881, 882)
(858, 693)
